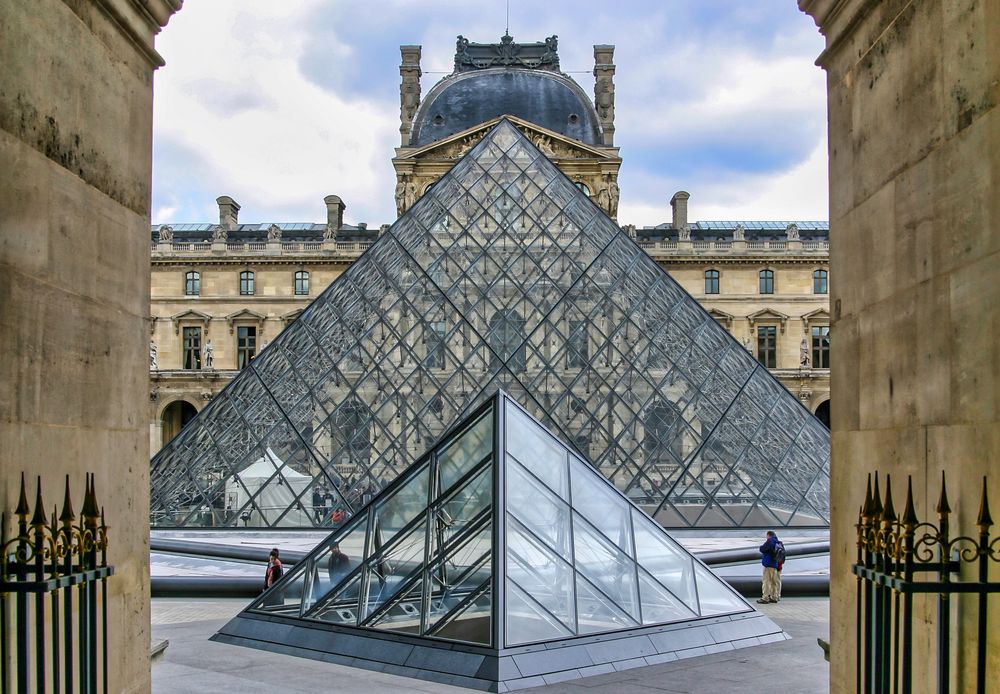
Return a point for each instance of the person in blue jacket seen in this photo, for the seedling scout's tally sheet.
(772, 570)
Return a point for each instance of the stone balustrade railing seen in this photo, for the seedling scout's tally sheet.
(733, 247)
(349, 248)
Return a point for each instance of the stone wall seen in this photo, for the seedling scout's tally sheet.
(75, 152)
(914, 237)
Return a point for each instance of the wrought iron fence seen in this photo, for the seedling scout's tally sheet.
(53, 596)
(899, 557)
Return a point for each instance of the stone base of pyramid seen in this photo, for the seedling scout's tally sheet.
(506, 670)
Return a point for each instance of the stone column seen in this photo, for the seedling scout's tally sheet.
(76, 96)
(409, 90)
(914, 216)
(604, 90)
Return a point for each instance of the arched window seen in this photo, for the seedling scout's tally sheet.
(246, 283)
(192, 283)
(711, 281)
(301, 283)
(661, 442)
(820, 282)
(766, 281)
(583, 187)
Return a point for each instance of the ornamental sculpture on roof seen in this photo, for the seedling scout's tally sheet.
(479, 56)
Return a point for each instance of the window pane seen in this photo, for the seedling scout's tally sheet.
(246, 283)
(192, 284)
(246, 345)
(766, 282)
(464, 453)
(192, 348)
(537, 451)
(606, 566)
(541, 511)
(821, 347)
(711, 281)
(767, 346)
(601, 505)
(301, 283)
(820, 282)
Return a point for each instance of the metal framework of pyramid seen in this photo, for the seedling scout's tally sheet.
(499, 560)
(503, 275)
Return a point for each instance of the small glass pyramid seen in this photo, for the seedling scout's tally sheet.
(499, 538)
(503, 275)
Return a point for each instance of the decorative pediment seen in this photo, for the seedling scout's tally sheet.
(820, 315)
(190, 316)
(768, 315)
(291, 315)
(552, 144)
(245, 316)
(721, 316)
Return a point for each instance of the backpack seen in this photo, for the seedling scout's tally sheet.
(779, 553)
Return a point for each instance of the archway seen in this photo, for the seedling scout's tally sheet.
(174, 417)
(823, 413)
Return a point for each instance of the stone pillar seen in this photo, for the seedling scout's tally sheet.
(76, 97)
(679, 210)
(914, 216)
(604, 90)
(229, 211)
(409, 90)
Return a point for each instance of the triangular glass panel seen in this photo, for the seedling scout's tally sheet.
(503, 275)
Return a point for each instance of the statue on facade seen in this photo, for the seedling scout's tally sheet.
(209, 355)
(400, 195)
(220, 233)
(748, 344)
(804, 358)
(739, 233)
(613, 192)
(605, 98)
(329, 233)
(274, 233)
(153, 366)
(792, 232)
(409, 193)
(544, 144)
(166, 234)
(684, 233)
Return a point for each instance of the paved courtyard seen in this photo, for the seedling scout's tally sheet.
(192, 663)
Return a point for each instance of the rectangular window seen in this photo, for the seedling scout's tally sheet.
(246, 346)
(767, 281)
(578, 349)
(820, 282)
(301, 283)
(767, 345)
(711, 281)
(246, 283)
(821, 347)
(435, 346)
(192, 284)
(192, 348)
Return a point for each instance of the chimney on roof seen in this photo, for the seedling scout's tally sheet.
(679, 204)
(229, 211)
(334, 212)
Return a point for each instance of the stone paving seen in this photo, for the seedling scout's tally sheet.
(192, 663)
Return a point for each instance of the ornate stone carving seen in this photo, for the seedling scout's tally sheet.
(457, 149)
(274, 233)
(329, 233)
(604, 90)
(792, 232)
(607, 195)
(739, 233)
(479, 56)
(166, 234)
(805, 359)
(684, 233)
(409, 90)
(406, 193)
(220, 233)
(153, 366)
(209, 355)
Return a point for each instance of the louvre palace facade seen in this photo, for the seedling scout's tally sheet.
(493, 294)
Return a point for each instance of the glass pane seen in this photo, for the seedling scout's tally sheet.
(664, 559)
(388, 572)
(596, 612)
(714, 596)
(404, 615)
(658, 605)
(473, 622)
(536, 450)
(540, 510)
(467, 503)
(605, 565)
(540, 572)
(343, 608)
(465, 452)
(527, 621)
(601, 505)
(405, 504)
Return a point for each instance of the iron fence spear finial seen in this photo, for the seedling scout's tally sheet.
(984, 520)
(943, 508)
(876, 499)
(38, 517)
(22, 509)
(888, 512)
(67, 516)
(910, 519)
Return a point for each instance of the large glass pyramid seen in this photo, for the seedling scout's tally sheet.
(503, 274)
(498, 544)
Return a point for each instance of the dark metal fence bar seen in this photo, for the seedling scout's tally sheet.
(59, 645)
(899, 557)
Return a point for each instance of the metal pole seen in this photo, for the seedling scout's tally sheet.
(944, 597)
(983, 522)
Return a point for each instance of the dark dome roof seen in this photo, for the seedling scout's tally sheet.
(548, 99)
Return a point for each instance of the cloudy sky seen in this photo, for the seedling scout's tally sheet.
(281, 103)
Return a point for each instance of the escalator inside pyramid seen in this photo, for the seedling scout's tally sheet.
(504, 274)
(498, 540)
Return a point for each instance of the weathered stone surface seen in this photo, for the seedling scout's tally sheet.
(75, 152)
(915, 211)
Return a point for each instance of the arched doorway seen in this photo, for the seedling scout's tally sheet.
(823, 413)
(174, 417)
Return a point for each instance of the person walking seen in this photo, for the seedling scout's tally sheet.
(772, 556)
(271, 576)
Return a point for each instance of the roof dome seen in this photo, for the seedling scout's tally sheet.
(464, 100)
